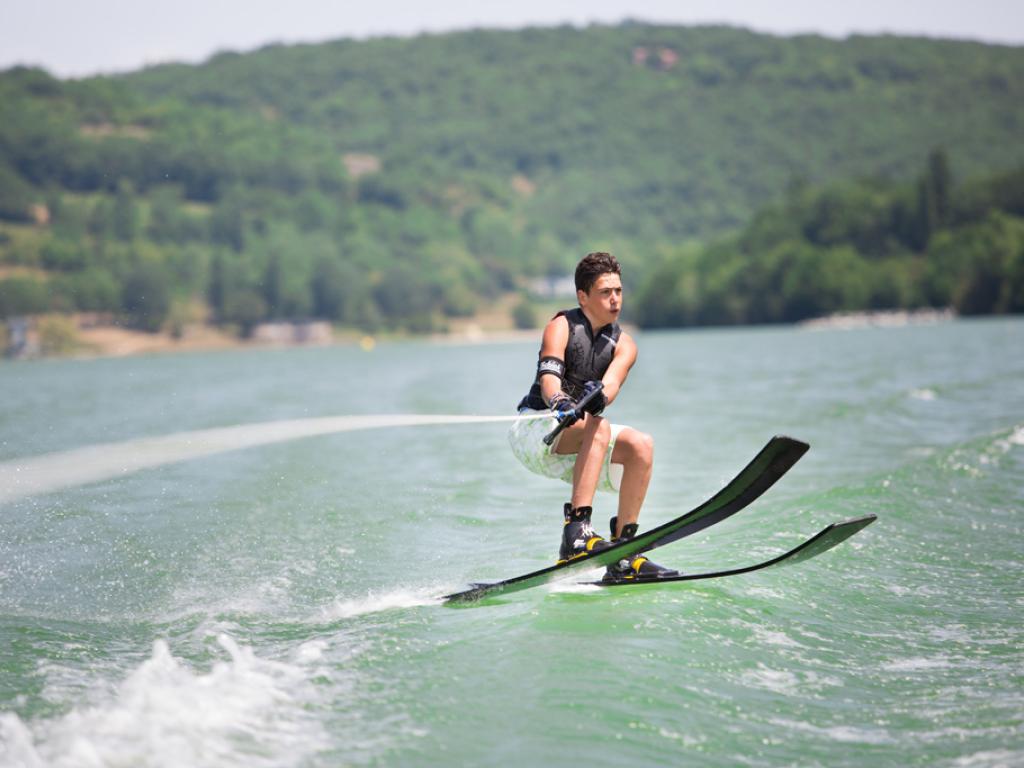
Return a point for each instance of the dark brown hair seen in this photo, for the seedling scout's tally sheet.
(592, 266)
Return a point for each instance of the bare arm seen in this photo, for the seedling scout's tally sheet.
(615, 376)
(553, 344)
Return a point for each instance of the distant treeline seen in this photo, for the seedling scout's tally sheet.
(394, 183)
(867, 244)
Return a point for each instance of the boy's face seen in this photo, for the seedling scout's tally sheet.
(604, 299)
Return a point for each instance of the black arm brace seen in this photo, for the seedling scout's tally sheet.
(552, 365)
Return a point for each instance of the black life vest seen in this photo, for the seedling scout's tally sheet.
(587, 357)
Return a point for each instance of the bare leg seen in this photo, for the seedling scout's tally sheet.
(634, 450)
(589, 441)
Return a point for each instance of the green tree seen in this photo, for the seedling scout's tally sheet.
(92, 290)
(272, 287)
(339, 291)
(218, 287)
(167, 223)
(227, 221)
(405, 295)
(23, 296)
(524, 314)
(64, 255)
(101, 219)
(145, 297)
(940, 186)
(125, 213)
(245, 308)
(16, 195)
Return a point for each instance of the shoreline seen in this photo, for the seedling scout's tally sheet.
(883, 318)
(90, 340)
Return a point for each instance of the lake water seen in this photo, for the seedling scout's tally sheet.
(275, 604)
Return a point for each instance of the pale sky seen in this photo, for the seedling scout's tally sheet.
(73, 38)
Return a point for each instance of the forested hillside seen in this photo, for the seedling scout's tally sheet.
(863, 244)
(396, 182)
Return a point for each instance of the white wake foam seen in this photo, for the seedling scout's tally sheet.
(375, 603)
(1017, 436)
(246, 711)
(53, 471)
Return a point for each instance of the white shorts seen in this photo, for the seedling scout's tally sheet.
(526, 437)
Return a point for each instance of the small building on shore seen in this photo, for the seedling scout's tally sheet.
(301, 332)
(22, 338)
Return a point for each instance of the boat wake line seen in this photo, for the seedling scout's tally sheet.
(34, 475)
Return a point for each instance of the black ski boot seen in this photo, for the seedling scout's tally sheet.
(579, 538)
(635, 566)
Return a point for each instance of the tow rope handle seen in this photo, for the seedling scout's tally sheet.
(575, 416)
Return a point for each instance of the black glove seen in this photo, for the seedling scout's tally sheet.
(598, 402)
(564, 408)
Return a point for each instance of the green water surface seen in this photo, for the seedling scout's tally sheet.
(275, 606)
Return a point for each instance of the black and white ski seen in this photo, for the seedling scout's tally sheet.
(774, 460)
(822, 541)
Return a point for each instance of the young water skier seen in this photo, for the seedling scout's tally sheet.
(579, 348)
